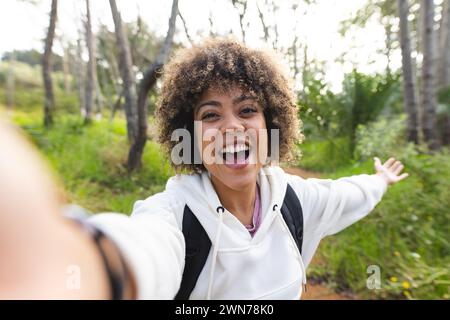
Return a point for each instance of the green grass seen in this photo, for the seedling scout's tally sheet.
(89, 161)
(324, 155)
(406, 235)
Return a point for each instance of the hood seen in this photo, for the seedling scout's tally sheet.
(200, 196)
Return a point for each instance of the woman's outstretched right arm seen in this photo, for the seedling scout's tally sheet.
(38, 247)
(44, 255)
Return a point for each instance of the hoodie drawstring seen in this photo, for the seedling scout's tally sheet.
(215, 251)
(302, 265)
(220, 210)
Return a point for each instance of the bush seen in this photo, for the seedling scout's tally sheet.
(25, 76)
(406, 236)
(383, 138)
(325, 155)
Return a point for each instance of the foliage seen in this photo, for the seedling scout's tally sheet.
(90, 161)
(384, 138)
(325, 155)
(365, 97)
(331, 120)
(406, 235)
(32, 57)
(24, 75)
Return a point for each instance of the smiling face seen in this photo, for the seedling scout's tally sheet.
(235, 121)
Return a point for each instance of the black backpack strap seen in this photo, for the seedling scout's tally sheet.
(292, 213)
(198, 245)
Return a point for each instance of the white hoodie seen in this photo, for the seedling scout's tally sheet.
(267, 266)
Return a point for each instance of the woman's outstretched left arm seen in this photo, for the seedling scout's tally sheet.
(331, 205)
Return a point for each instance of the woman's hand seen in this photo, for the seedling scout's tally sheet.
(38, 247)
(390, 170)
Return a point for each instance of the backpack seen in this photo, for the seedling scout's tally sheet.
(198, 243)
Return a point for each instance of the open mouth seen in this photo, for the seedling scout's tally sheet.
(236, 154)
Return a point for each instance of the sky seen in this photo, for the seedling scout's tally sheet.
(23, 26)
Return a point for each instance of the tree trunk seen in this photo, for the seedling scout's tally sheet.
(114, 74)
(90, 81)
(103, 76)
(428, 90)
(10, 81)
(66, 68)
(99, 99)
(49, 104)
(444, 48)
(409, 95)
(263, 23)
(127, 74)
(305, 74)
(444, 66)
(388, 29)
(80, 78)
(186, 31)
(238, 4)
(116, 106)
(149, 80)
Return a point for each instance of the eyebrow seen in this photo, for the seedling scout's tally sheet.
(218, 104)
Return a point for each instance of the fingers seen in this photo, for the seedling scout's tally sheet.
(398, 168)
(389, 162)
(402, 176)
(377, 163)
(393, 165)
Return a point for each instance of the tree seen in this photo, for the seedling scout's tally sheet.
(79, 74)
(428, 92)
(271, 9)
(108, 68)
(144, 46)
(186, 31)
(409, 85)
(364, 98)
(444, 48)
(49, 104)
(127, 75)
(241, 7)
(148, 81)
(91, 72)
(444, 71)
(10, 82)
(66, 63)
(386, 13)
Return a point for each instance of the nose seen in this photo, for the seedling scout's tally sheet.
(232, 123)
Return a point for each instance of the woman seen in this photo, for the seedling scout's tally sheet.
(238, 115)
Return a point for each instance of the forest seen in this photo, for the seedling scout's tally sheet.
(86, 98)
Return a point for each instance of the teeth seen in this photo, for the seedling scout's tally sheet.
(235, 148)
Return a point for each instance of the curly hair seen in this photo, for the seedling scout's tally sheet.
(227, 62)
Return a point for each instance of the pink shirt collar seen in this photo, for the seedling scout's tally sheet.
(256, 214)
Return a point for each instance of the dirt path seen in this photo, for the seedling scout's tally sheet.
(316, 290)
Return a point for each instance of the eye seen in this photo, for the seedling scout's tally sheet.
(248, 110)
(209, 116)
